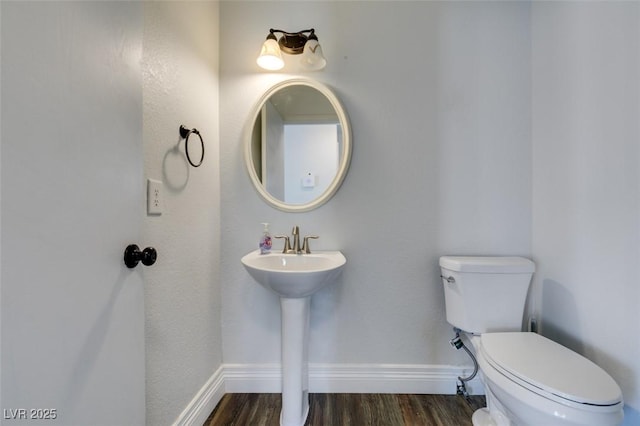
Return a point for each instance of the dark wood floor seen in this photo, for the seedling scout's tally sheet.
(340, 409)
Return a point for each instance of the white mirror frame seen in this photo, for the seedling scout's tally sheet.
(344, 161)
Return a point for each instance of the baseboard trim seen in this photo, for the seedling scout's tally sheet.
(387, 378)
(198, 410)
(327, 378)
(353, 378)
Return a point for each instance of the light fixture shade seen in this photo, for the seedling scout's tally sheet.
(312, 57)
(270, 56)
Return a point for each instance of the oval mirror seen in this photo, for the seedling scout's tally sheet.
(298, 145)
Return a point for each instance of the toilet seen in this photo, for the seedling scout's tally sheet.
(528, 379)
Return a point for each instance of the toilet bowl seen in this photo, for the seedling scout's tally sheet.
(528, 379)
(531, 380)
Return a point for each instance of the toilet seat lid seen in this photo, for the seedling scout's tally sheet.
(550, 368)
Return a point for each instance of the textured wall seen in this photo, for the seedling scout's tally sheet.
(586, 186)
(72, 313)
(182, 291)
(438, 96)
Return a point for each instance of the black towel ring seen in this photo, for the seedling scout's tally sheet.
(184, 134)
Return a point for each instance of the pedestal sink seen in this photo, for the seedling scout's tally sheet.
(294, 277)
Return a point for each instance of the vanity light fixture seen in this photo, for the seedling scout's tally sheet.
(303, 43)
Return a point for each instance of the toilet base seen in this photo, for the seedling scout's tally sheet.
(482, 417)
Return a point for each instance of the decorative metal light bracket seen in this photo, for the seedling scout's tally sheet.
(292, 43)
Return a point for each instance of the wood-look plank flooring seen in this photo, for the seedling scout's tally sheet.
(340, 409)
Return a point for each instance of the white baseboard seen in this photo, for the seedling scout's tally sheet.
(204, 402)
(327, 378)
(353, 378)
(388, 378)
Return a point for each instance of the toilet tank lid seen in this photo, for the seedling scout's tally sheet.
(488, 264)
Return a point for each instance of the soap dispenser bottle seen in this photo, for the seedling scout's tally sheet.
(265, 240)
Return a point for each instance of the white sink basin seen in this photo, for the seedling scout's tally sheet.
(294, 275)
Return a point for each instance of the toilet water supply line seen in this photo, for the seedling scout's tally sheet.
(457, 343)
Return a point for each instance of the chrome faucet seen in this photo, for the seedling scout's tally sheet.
(297, 249)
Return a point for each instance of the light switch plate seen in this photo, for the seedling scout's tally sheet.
(154, 197)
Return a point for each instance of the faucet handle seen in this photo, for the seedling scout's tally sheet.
(287, 244)
(305, 243)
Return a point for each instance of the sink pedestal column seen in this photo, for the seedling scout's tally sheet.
(295, 372)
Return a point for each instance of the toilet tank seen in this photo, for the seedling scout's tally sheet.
(485, 294)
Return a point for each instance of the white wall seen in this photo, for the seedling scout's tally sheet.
(72, 312)
(586, 182)
(178, 45)
(182, 291)
(441, 164)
